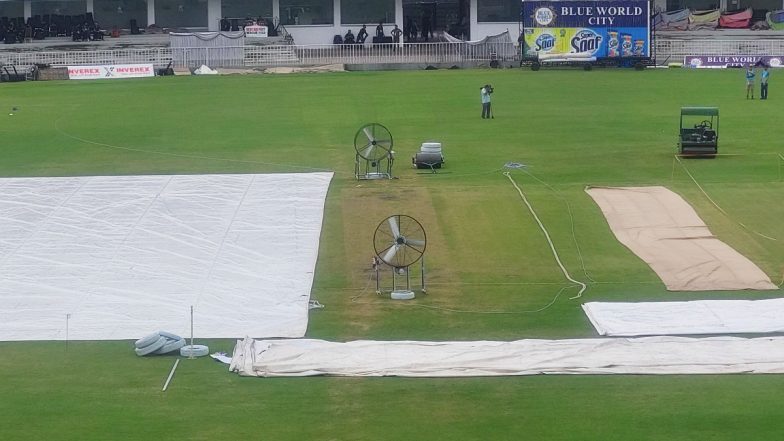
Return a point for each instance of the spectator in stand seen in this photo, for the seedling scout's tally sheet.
(414, 31)
(349, 38)
(380, 30)
(396, 33)
(362, 35)
(426, 32)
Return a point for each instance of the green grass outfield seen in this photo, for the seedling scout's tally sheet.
(485, 252)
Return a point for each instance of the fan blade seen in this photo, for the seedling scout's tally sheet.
(393, 227)
(390, 254)
(417, 242)
(369, 135)
(366, 153)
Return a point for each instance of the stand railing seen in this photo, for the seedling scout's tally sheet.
(306, 55)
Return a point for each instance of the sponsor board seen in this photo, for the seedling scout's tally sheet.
(720, 61)
(256, 31)
(602, 28)
(110, 71)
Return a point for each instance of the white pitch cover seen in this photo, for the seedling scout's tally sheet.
(687, 318)
(641, 355)
(119, 257)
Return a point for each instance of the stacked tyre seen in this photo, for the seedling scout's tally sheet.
(430, 147)
(160, 342)
(429, 156)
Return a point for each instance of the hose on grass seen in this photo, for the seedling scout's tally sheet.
(566, 274)
(677, 158)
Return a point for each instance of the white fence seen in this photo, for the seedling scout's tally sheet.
(417, 53)
(268, 56)
(676, 50)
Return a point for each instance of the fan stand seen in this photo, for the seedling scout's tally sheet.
(402, 294)
(368, 169)
(374, 156)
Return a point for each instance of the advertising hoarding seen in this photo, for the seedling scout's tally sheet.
(113, 71)
(600, 28)
(722, 61)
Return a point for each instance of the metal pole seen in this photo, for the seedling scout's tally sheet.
(378, 281)
(67, 323)
(171, 374)
(423, 274)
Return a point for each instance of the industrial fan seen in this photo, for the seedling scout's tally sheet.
(400, 241)
(374, 155)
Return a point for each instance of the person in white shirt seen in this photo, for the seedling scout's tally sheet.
(484, 93)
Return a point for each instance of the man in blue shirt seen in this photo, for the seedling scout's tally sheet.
(749, 82)
(764, 83)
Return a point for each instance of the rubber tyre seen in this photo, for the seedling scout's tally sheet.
(149, 349)
(171, 346)
(147, 341)
(169, 336)
(195, 350)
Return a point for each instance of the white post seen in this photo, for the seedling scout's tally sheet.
(276, 10)
(399, 19)
(28, 9)
(472, 17)
(336, 16)
(150, 12)
(213, 15)
(90, 6)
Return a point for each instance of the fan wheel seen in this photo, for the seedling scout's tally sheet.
(373, 142)
(399, 241)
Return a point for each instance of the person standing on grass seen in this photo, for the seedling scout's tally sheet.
(485, 92)
(764, 83)
(750, 81)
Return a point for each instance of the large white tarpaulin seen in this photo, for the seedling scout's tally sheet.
(104, 258)
(681, 318)
(662, 229)
(643, 355)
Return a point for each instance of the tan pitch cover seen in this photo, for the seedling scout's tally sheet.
(665, 231)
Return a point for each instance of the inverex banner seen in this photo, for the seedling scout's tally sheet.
(110, 71)
(602, 29)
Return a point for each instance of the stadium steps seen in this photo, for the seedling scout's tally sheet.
(271, 56)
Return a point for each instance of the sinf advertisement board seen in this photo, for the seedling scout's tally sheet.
(601, 29)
